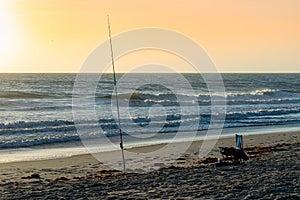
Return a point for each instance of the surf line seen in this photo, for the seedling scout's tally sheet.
(116, 94)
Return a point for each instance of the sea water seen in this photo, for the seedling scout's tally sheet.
(36, 109)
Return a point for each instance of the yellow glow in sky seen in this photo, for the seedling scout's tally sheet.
(9, 37)
(240, 36)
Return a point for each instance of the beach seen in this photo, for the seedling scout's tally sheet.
(149, 100)
(46, 137)
(270, 174)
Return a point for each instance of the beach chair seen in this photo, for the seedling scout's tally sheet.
(236, 154)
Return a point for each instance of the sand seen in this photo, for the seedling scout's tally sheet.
(273, 174)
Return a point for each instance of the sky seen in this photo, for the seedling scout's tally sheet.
(239, 36)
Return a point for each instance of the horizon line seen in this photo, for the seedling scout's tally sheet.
(221, 72)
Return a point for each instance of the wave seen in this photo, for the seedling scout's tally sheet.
(25, 124)
(262, 112)
(261, 93)
(29, 103)
(166, 98)
(22, 95)
(175, 115)
(157, 95)
(26, 134)
(128, 96)
(29, 142)
(248, 108)
(265, 93)
(36, 95)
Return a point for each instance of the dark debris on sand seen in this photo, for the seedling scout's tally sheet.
(275, 175)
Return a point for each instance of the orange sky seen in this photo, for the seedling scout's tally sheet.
(58, 35)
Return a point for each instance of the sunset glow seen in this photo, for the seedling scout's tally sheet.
(57, 36)
(10, 38)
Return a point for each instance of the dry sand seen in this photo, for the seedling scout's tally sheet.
(273, 175)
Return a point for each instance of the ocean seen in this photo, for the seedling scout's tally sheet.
(36, 109)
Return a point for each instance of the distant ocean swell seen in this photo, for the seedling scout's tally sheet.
(254, 97)
(258, 93)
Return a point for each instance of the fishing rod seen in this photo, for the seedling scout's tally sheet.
(116, 94)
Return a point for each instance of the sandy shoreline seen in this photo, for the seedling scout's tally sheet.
(76, 165)
(84, 168)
